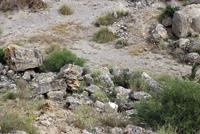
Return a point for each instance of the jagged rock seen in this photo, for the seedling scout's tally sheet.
(106, 80)
(192, 57)
(122, 92)
(85, 132)
(77, 99)
(117, 130)
(26, 76)
(130, 129)
(44, 88)
(131, 112)
(55, 95)
(123, 106)
(10, 73)
(21, 4)
(99, 105)
(112, 105)
(167, 22)
(117, 71)
(1, 67)
(151, 83)
(18, 132)
(88, 79)
(157, 32)
(41, 78)
(183, 43)
(140, 95)
(20, 59)
(186, 21)
(72, 76)
(91, 89)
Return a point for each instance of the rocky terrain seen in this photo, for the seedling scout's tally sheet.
(99, 89)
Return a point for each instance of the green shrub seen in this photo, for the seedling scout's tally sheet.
(2, 60)
(197, 49)
(11, 121)
(123, 79)
(65, 10)
(167, 12)
(137, 83)
(101, 96)
(177, 104)
(103, 35)
(58, 59)
(121, 13)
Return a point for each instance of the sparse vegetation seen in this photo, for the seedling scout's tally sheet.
(2, 60)
(1, 30)
(19, 43)
(167, 129)
(58, 59)
(167, 12)
(197, 49)
(40, 104)
(103, 35)
(52, 48)
(122, 42)
(177, 99)
(84, 117)
(110, 17)
(101, 96)
(11, 121)
(65, 10)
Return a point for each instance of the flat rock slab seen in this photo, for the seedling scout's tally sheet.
(20, 59)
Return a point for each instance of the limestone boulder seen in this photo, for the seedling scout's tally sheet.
(20, 58)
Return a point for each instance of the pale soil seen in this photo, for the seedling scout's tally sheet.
(37, 29)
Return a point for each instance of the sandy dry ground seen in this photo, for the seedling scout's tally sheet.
(40, 29)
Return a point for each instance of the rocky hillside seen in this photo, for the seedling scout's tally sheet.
(99, 67)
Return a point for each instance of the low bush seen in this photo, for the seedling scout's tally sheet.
(52, 48)
(167, 12)
(9, 95)
(106, 19)
(65, 10)
(177, 104)
(40, 104)
(84, 117)
(103, 35)
(101, 96)
(133, 81)
(2, 60)
(122, 42)
(113, 119)
(58, 59)
(110, 17)
(11, 121)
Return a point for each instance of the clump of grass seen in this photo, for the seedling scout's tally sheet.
(12, 121)
(103, 35)
(84, 117)
(19, 43)
(40, 104)
(106, 19)
(58, 59)
(9, 95)
(2, 54)
(110, 17)
(52, 48)
(65, 10)
(197, 49)
(167, 129)
(122, 42)
(113, 119)
(1, 30)
(167, 12)
(101, 96)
